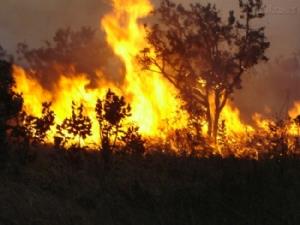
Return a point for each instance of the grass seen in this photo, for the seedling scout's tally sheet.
(60, 187)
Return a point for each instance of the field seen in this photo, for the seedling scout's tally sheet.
(50, 186)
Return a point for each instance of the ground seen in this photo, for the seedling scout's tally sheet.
(59, 187)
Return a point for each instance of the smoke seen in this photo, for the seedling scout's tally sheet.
(71, 53)
(269, 89)
(33, 21)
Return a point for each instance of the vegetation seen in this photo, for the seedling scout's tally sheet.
(77, 125)
(35, 129)
(67, 187)
(129, 179)
(204, 56)
(10, 103)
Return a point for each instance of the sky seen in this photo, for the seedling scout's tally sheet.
(34, 21)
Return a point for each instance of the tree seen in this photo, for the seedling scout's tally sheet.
(134, 142)
(78, 125)
(34, 129)
(10, 102)
(203, 56)
(110, 115)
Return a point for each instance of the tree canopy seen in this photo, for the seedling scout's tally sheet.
(204, 55)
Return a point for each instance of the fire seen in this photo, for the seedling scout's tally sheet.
(295, 111)
(154, 102)
(65, 91)
(32, 99)
(153, 99)
(234, 124)
(156, 108)
(260, 122)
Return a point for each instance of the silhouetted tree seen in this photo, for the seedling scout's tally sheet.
(10, 102)
(34, 128)
(110, 114)
(222, 139)
(78, 125)
(204, 56)
(133, 141)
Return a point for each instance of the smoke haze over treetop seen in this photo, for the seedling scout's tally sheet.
(33, 21)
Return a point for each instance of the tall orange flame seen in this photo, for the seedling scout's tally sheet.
(153, 99)
(154, 102)
(156, 110)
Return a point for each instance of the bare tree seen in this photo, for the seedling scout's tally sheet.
(204, 56)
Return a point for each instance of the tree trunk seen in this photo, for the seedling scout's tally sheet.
(216, 125)
(209, 122)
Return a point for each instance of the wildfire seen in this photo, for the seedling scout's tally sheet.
(234, 124)
(295, 111)
(154, 102)
(156, 108)
(153, 99)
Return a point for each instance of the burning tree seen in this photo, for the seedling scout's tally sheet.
(202, 55)
(134, 142)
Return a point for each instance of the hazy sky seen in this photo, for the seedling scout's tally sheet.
(35, 20)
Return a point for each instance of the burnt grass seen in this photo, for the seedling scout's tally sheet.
(77, 187)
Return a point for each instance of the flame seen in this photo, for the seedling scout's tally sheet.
(260, 122)
(153, 98)
(234, 124)
(154, 102)
(33, 93)
(65, 91)
(156, 108)
(295, 111)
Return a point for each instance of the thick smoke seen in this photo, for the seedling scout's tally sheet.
(71, 53)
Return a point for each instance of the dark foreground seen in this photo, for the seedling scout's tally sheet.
(56, 187)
